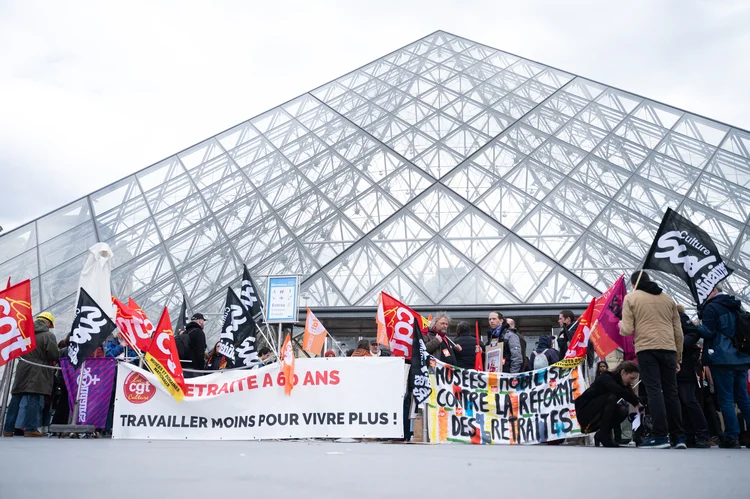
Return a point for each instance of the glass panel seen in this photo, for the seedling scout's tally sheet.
(473, 234)
(607, 178)
(560, 288)
(621, 152)
(405, 184)
(165, 294)
(125, 216)
(553, 77)
(195, 242)
(534, 178)
(370, 209)
(436, 267)
(396, 284)
(66, 246)
(626, 229)
(249, 152)
(658, 114)
(722, 196)
(17, 241)
(257, 242)
(133, 242)
(387, 128)
(465, 141)
(329, 239)
(490, 122)
(284, 188)
(581, 135)
(140, 273)
(518, 267)
(647, 199)
(470, 181)
(268, 168)
(64, 313)
(738, 142)
(272, 119)
(344, 186)
(226, 191)
(213, 171)
(168, 194)
(549, 232)
(601, 117)
(114, 195)
(211, 275)
(305, 211)
(62, 281)
(320, 292)
(401, 237)
(577, 202)
(499, 158)
(641, 132)
(303, 149)
(358, 271)
(669, 173)
(565, 103)
(200, 153)
(701, 129)
(546, 120)
(730, 167)
(438, 207)
(514, 106)
(63, 219)
(723, 230)
(534, 91)
(506, 204)
(438, 160)
(559, 155)
(437, 126)
(181, 216)
(599, 263)
(236, 136)
(583, 88)
(523, 138)
(160, 173)
(479, 288)
(619, 101)
(23, 266)
(686, 150)
(411, 144)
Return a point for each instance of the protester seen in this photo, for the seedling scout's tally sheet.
(191, 346)
(688, 384)
(514, 357)
(266, 356)
(652, 315)
(330, 353)
(363, 349)
(60, 390)
(116, 346)
(437, 342)
(497, 328)
(375, 349)
(569, 324)
(729, 366)
(216, 361)
(543, 356)
(601, 367)
(33, 382)
(467, 338)
(600, 409)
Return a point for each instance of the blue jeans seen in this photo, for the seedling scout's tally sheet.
(731, 387)
(24, 412)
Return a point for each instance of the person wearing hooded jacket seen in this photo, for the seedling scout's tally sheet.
(466, 357)
(729, 366)
(652, 316)
(599, 408)
(688, 383)
(33, 382)
(544, 347)
(195, 358)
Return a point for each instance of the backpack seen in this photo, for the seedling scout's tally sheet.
(540, 360)
(741, 338)
(183, 346)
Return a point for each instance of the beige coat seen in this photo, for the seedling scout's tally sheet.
(655, 321)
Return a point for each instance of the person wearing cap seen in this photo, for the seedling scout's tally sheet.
(33, 381)
(193, 356)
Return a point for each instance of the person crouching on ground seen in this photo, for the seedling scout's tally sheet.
(599, 407)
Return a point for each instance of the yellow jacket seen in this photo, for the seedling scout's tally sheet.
(654, 319)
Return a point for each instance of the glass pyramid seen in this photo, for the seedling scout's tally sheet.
(447, 173)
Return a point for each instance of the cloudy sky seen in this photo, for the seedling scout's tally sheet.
(93, 91)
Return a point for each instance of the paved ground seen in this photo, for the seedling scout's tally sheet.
(50, 468)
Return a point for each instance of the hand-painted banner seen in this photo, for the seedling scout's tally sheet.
(332, 398)
(478, 407)
(96, 390)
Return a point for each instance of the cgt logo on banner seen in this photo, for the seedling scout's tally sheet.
(333, 398)
(468, 406)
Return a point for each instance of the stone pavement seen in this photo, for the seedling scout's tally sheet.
(113, 469)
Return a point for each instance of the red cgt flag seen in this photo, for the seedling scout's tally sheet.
(398, 321)
(136, 329)
(163, 360)
(478, 357)
(16, 322)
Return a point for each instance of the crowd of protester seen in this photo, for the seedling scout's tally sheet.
(682, 373)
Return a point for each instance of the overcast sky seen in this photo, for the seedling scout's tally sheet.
(93, 91)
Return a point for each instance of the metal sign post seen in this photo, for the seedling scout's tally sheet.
(282, 299)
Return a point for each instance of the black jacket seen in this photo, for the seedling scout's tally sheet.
(564, 337)
(591, 403)
(197, 351)
(441, 350)
(691, 352)
(465, 358)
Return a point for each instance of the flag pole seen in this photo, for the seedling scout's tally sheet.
(7, 378)
(74, 416)
(638, 280)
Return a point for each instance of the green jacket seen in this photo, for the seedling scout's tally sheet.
(36, 379)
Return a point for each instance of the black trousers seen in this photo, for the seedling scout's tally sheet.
(692, 412)
(612, 417)
(659, 373)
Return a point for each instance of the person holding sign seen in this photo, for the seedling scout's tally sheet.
(598, 408)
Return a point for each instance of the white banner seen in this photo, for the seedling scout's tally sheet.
(332, 398)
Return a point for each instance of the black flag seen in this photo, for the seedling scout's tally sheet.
(91, 327)
(249, 296)
(182, 320)
(235, 325)
(683, 249)
(419, 373)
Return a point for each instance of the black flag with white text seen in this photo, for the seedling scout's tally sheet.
(683, 249)
(235, 326)
(419, 372)
(91, 327)
(249, 296)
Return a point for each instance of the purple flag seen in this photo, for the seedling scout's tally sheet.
(96, 390)
(606, 331)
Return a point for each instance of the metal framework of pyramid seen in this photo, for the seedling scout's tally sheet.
(446, 173)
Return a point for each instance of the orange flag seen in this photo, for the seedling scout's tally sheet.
(380, 321)
(287, 364)
(15, 313)
(315, 334)
(163, 360)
